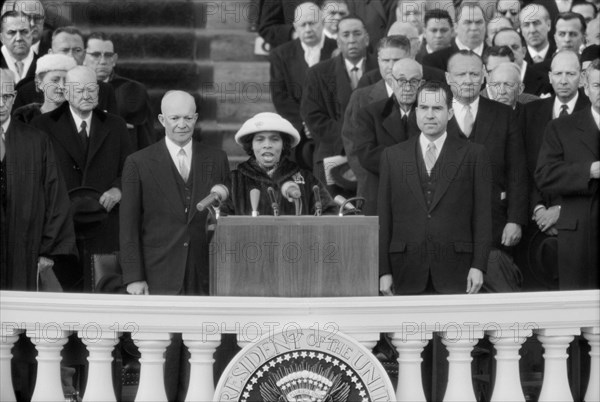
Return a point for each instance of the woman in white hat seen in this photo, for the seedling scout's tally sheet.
(50, 73)
(269, 138)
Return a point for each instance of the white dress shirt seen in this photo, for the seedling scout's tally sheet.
(595, 115)
(174, 152)
(460, 110)
(439, 144)
(11, 62)
(558, 104)
(5, 127)
(542, 53)
(312, 54)
(78, 120)
(478, 50)
(360, 65)
(389, 90)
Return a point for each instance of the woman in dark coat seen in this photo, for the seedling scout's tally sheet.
(269, 138)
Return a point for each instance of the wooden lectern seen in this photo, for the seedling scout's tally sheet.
(295, 256)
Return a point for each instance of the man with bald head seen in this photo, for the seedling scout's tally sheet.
(91, 147)
(386, 122)
(493, 125)
(504, 85)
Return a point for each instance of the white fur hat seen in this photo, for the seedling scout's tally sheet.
(268, 121)
(54, 62)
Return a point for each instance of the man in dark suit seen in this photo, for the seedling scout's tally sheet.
(504, 85)
(470, 35)
(385, 123)
(291, 61)
(34, 10)
(493, 125)
(17, 56)
(570, 31)
(164, 244)
(534, 81)
(427, 244)
(536, 24)
(133, 103)
(390, 50)
(67, 40)
(329, 85)
(276, 19)
(438, 33)
(91, 147)
(377, 15)
(569, 167)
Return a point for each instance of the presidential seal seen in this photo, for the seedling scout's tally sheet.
(305, 365)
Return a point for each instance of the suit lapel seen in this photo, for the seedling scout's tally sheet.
(392, 122)
(203, 174)
(162, 172)
(66, 134)
(414, 180)
(483, 121)
(447, 166)
(343, 87)
(98, 134)
(588, 132)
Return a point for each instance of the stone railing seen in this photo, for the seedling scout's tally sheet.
(461, 320)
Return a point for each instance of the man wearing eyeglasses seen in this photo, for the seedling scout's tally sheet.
(386, 122)
(91, 147)
(133, 103)
(504, 85)
(509, 9)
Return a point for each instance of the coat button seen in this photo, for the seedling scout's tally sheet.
(186, 244)
(428, 216)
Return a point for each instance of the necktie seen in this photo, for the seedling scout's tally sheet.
(354, 77)
(83, 137)
(468, 122)
(430, 157)
(20, 66)
(564, 110)
(183, 168)
(405, 122)
(537, 58)
(311, 56)
(2, 146)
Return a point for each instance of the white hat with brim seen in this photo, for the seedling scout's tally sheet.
(268, 121)
(54, 62)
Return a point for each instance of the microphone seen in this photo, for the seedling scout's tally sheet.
(290, 190)
(318, 203)
(254, 199)
(346, 204)
(274, 204)
(218, 193)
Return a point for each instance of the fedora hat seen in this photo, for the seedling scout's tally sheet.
(542, 259)
(268, 121)
(88, 214)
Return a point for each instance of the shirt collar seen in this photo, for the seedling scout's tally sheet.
(174, 148)
(461, 107)
(570, 104)
(318, 46)
(596, 117)
(36, 47)
(439, 143)
(350, 66)
(11, 61)
(542, 53)
(478, 50)
(388, 89)
(329, 34)
(78, 120)
(5, 127)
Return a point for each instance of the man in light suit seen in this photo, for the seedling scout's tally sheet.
(164, 244)
(569, 167)
(427, 245)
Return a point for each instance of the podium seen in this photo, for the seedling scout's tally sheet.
(295, 256)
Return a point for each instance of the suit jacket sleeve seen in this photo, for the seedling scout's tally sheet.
(314, 109)
(281, 91)
(518, 176)
(125, 148)
(384, 210)
(482, 210)
(130, 221)
(58, 234)
(273, 27)
(365, 144)
(556, 176)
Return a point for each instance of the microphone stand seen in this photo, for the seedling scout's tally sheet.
(356, 210)
(298, 206)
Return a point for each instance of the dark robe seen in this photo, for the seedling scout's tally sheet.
(250, 175)
(36, 221)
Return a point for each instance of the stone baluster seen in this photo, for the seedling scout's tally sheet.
(460, 343)
(100, 346)
(49, 341)
(593, 389)
(556, 381)
(410, 345)
(202, 348)
(368, 340)
(152, 347)
(507, 385)
(8, 337)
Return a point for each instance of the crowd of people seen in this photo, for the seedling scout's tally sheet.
(470, 128)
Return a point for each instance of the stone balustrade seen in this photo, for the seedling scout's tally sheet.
(461, 320)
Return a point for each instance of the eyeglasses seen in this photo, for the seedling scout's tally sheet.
(97, 55)
(511, 12)
(413, 83)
